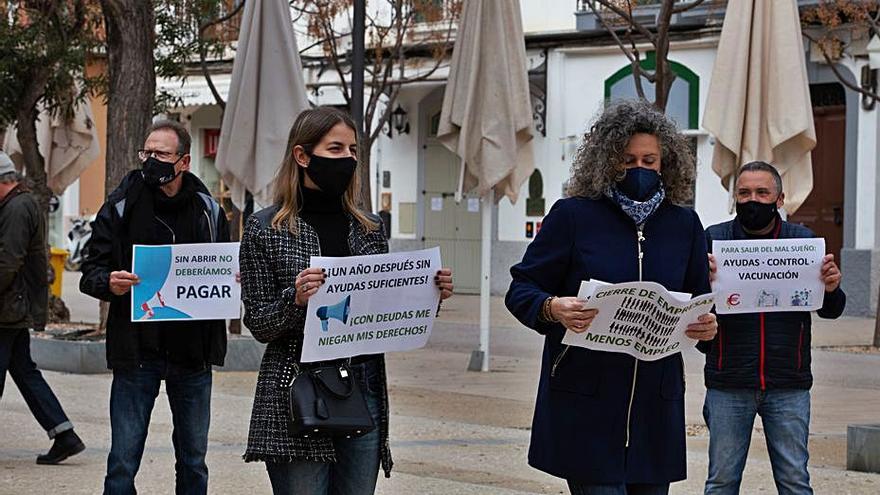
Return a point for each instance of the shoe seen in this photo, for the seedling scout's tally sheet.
(66, 444)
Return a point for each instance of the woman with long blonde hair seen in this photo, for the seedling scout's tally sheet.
(315, 213)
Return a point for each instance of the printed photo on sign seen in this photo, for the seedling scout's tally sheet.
(185, 282)
(769, 275)
(641, 319)
(371, 305)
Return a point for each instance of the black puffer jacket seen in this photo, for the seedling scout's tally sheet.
(23, 263)
(109, 249)
(764, 350)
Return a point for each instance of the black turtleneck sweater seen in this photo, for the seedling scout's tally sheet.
(324, 213)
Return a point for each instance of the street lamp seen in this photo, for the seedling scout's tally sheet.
(873, 50)
(869, 72)
(399, 121)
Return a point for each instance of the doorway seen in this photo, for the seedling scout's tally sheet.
(454, 227)
(822, 212)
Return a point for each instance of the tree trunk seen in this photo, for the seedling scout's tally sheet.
(366, 145)
(663, 85)
(26, 132)
(132, 86)
(103, 315)
(35, 166)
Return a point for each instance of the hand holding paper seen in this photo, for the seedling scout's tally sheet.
(643, 319)
(443, 281)
(704, 329)
(830, 273)
(307, 284)
(572, 312)
(121, 282)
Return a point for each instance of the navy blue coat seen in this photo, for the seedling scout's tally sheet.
(579, 431)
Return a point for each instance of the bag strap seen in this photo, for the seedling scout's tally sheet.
(318, 379)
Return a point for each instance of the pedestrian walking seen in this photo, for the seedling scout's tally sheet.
(607, 422)
(314, 214)
(161, 203)
(24, 289)
(759, 363)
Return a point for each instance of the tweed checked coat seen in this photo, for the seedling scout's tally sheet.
(270, 259)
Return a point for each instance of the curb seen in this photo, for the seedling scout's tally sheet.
(243, 353)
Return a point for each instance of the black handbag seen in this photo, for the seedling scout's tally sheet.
(327, 401)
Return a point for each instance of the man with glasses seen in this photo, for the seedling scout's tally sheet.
(160, 203)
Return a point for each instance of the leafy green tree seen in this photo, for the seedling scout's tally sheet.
(43, 50)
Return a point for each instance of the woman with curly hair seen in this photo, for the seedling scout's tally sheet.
(607, 422)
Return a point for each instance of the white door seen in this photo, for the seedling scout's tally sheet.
(453, 227)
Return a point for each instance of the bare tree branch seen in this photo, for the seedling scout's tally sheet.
(378, 89)
(203, 52)
(649, 75)
(833, 66)
(627, 16)
(321, 42)
(637, 76)
(446, 42)
(686, 7)
(222, 19)
(611, 31)
(303, 10)
(327, 26)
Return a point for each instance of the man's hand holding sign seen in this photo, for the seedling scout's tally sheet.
(830, 272)
(181, 282)
(122, 281)
(772, 275)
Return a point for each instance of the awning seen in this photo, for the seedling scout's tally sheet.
(194, 91)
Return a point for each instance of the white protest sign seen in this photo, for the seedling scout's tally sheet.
(371, 305)
(641, 319)
(769, 275)
(185, 282)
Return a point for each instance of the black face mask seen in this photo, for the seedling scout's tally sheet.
(332, 175)
(754, 215)
(639, 183)
(157, 173)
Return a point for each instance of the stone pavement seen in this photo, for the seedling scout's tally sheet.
(453, 431)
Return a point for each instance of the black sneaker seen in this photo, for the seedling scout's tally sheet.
(66, 444)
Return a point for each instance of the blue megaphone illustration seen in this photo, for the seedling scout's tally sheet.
(338, 311)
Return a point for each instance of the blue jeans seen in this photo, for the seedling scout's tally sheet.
(132, 396)
(357, 459)
(15, 357)
(730, 415)
(621, 489)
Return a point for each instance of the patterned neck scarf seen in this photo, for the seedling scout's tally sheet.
(639, 211)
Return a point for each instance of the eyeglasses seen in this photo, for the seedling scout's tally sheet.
(165, 156)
